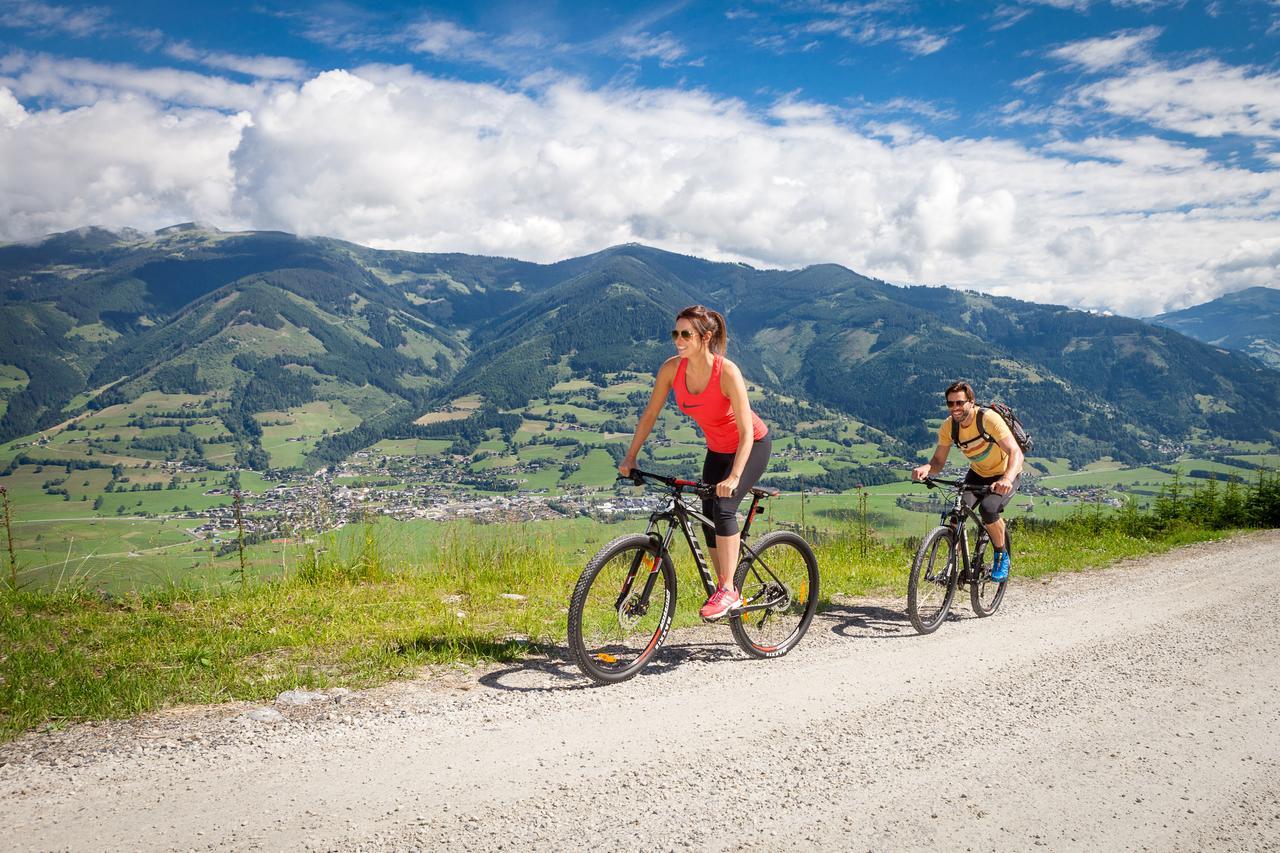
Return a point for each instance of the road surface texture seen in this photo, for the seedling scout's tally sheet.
(1133, 708)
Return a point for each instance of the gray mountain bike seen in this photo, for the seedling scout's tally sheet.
(624, 602)
(955, 552)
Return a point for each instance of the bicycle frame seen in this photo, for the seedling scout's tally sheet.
(956, 516)
(678, 514)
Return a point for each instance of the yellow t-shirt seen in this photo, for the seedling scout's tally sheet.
(986, 459)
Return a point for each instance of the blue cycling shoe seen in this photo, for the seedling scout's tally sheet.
(1000, 569)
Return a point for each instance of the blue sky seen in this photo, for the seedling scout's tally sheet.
(1120, 155)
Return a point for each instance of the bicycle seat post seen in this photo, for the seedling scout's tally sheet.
(751, 514)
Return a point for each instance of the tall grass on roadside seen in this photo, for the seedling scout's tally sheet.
(364, 605)
(8, 533)
(355, 613)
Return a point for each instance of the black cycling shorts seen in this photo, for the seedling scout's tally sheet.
(992, 504)
(724, 511)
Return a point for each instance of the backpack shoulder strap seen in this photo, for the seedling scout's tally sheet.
(982, 433)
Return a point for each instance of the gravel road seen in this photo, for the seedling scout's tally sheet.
(1130, 708)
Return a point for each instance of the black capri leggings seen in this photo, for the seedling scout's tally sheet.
(992, 504)
(724, 511)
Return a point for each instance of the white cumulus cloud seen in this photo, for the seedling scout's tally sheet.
(119, 162)
(1099, 53)
(264, 67)
(85, 82)
(393, 158)
(1207, 99)
(43, 17)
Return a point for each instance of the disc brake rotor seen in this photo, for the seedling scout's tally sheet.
(631, 611)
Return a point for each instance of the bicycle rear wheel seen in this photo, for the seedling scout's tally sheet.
(933, 580)
(621, 609)
(985, 594)
(783, 575)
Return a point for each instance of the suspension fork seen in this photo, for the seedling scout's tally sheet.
(960, 553)
(661, 549)
(962, 541)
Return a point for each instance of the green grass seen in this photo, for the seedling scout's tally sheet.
(12, 378)
(350, 614)
(288, 443)
(410, 447)
(377, 602)
(1267, 460)
(1187, 464)
(546, 478)
(597, 469)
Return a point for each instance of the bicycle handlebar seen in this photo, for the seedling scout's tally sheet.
(934, 482)
(638, 477)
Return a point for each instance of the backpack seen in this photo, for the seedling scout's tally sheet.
(1020, 434)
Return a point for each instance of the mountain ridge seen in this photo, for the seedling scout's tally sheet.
(1247, 320)
(391, 334)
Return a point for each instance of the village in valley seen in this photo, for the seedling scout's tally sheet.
(151, 487)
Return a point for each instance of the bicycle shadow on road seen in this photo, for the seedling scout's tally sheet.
(558, 671)
(867, 621)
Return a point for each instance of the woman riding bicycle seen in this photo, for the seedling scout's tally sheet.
(738, 442)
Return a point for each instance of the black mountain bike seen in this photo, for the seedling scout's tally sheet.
(624, 601)
(953, 553)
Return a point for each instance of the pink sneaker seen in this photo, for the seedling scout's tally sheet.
(720, 603)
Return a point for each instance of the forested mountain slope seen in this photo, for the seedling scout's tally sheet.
(260, 321)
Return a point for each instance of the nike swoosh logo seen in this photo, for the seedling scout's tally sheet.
(691, 405)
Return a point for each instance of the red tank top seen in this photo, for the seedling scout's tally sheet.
(712, 411)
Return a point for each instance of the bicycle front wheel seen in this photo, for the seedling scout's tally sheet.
(985, 594)
(782, 575)
(933, 580)
(621, 609)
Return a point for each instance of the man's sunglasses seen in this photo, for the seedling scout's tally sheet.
(955, 404)
(681, 334)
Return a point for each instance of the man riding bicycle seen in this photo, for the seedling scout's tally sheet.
(995, 460)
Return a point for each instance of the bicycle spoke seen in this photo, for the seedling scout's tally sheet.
(985, 594)
(781, 578)
(620, 610)
(933, 581)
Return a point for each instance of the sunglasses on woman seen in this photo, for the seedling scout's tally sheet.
(681, 334)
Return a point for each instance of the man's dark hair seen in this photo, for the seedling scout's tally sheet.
(964, 387)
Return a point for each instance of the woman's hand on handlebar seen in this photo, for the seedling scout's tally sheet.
(726, 487)
(625, 466)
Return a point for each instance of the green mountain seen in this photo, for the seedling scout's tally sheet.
(256, 322)
(1247, 320)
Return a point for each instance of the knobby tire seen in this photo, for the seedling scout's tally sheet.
(985, 594)
(612, 642)
(933, 580)
(783, 572)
